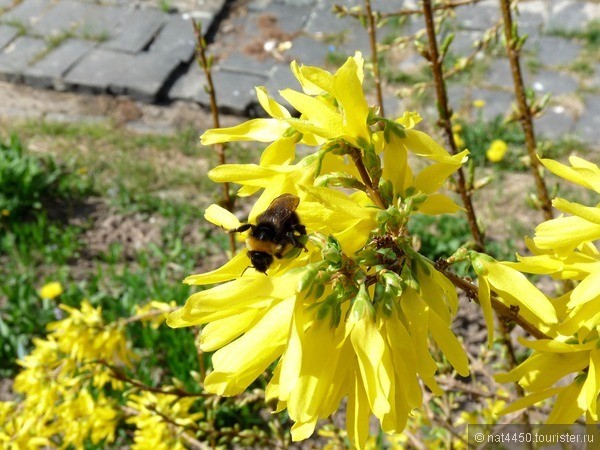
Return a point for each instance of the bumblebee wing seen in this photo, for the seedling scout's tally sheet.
(279, 211)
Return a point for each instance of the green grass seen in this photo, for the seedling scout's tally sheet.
(590, 35)
(479, 135)
(39, 243)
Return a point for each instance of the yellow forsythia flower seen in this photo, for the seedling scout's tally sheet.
(51, 290)
(333, 325)
(567, 364)
(460, 143)
(496, 151)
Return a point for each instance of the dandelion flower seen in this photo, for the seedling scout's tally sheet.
(51, 290)
(496, 151)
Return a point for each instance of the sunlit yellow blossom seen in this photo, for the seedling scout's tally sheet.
(56, 377)
(161, 420)
(567, 366)
(479, 103)
(496, 151)
(353, 315)
(409, 119)
(51, 290)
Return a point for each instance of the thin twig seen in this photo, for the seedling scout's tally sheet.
(445, 122)
(372, 30)
(206, 65)
(504, 312)
(513, 51)
(120, 375)
(372, 190)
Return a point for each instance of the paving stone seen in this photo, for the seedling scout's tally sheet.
(15, 58)
(28, 12)
(497, 103)
(531, 17)
(177, 38)
(240, 62)
(343, 35)
(480, 16)
(89, 21)
(141, 76)
(556, 83)
(211, 6)
(138, 30)
(589, 122)
(235, 91)
(6, 4)
(464, 42)
(7, 34)
(554, 124)
(572, 15)
(500, 74)
(556, 51)
(281, 78)
(289, 18)
(48, 71)
(309, 51)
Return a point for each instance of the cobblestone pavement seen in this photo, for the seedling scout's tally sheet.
(144, 50)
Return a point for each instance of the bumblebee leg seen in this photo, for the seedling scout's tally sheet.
(242, 228)
(294, 239)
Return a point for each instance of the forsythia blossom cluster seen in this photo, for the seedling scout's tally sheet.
(63, 401)
(567, 364)
(70, 398)
(352, 316)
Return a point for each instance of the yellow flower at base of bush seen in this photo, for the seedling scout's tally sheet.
(51, 290)
(497, 150)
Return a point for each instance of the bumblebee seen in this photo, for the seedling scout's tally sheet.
(277, 231)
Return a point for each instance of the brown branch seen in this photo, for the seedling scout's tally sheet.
(372, 30)
(203, 61)
(445, 121)
(504, 312)
(513, 51)
(120, 375)
(372, 191)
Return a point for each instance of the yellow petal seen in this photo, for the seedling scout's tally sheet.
(438, 204)
(568, 406)
(512, 286)
(282, 151)
(409, 119)
(231, 270)
(348, 91)
(219, 216)
(586, 291)
(374, 363)
(271, 107)
(567, 232)
(303, 430)
(530, 400)
(357, 415)
(592, 384)
(582, 172)
(486, 305)
(261, 130)
(314, 80)
(243, 360)
(449, 344)
(321, 117)
(220, 332)
(585, 212)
